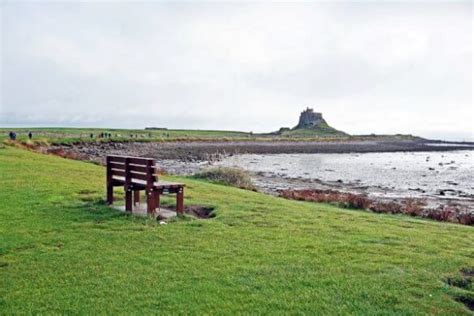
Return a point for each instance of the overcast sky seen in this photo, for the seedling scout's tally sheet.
(369, 67)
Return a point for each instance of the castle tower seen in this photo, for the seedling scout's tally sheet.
(309, 118)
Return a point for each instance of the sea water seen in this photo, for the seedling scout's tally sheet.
(449, 173)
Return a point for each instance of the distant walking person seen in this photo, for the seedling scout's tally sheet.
(30, 135)
(12, 135)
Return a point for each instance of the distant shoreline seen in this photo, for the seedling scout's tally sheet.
(69, 135)
(214, 150)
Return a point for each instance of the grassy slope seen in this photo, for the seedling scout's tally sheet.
(322, 130)
(62, 250)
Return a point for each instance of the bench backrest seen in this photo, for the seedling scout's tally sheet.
(132, 168)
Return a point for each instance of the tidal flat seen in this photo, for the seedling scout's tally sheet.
(435, 172)
(436, 177)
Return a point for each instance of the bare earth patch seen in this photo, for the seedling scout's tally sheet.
(199, 211)
(464, 283)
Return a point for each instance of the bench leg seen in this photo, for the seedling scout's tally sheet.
(136, 197)
(180, 203)
(128, 201)
(110, 194)
(150, 202)
(157, 199)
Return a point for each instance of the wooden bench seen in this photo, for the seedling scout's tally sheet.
(140, 174)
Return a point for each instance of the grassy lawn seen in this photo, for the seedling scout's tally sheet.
(71, 135)
(63, 251)
(51, 135)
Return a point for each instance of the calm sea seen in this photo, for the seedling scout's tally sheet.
(401, 173)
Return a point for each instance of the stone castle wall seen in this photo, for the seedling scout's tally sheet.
(309, 118)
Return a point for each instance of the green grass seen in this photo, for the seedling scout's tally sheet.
(228, 176)
(70, 135)
(66, 135)
(63, 251)
(323, 129)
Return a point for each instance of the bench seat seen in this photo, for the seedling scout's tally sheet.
(158, 185)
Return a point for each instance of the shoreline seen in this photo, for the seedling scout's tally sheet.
(271, 183)
(186, 158)
(213, 151)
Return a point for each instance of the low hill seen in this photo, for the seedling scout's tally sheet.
(322, 129)
(311, 124)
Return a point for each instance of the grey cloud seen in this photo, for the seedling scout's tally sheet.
(249, 66)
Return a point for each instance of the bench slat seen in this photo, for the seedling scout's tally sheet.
(156, 185)
(140, 176)
(134, 160)
(165, 184)
(140, 161)
(116, 159)
(118, 172)
(117, 165)
(141, 168)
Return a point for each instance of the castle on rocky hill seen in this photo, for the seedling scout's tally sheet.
(309, 118)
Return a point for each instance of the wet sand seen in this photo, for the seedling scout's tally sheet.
(437, 177)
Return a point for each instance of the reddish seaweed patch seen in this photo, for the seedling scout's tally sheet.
(414, 207)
